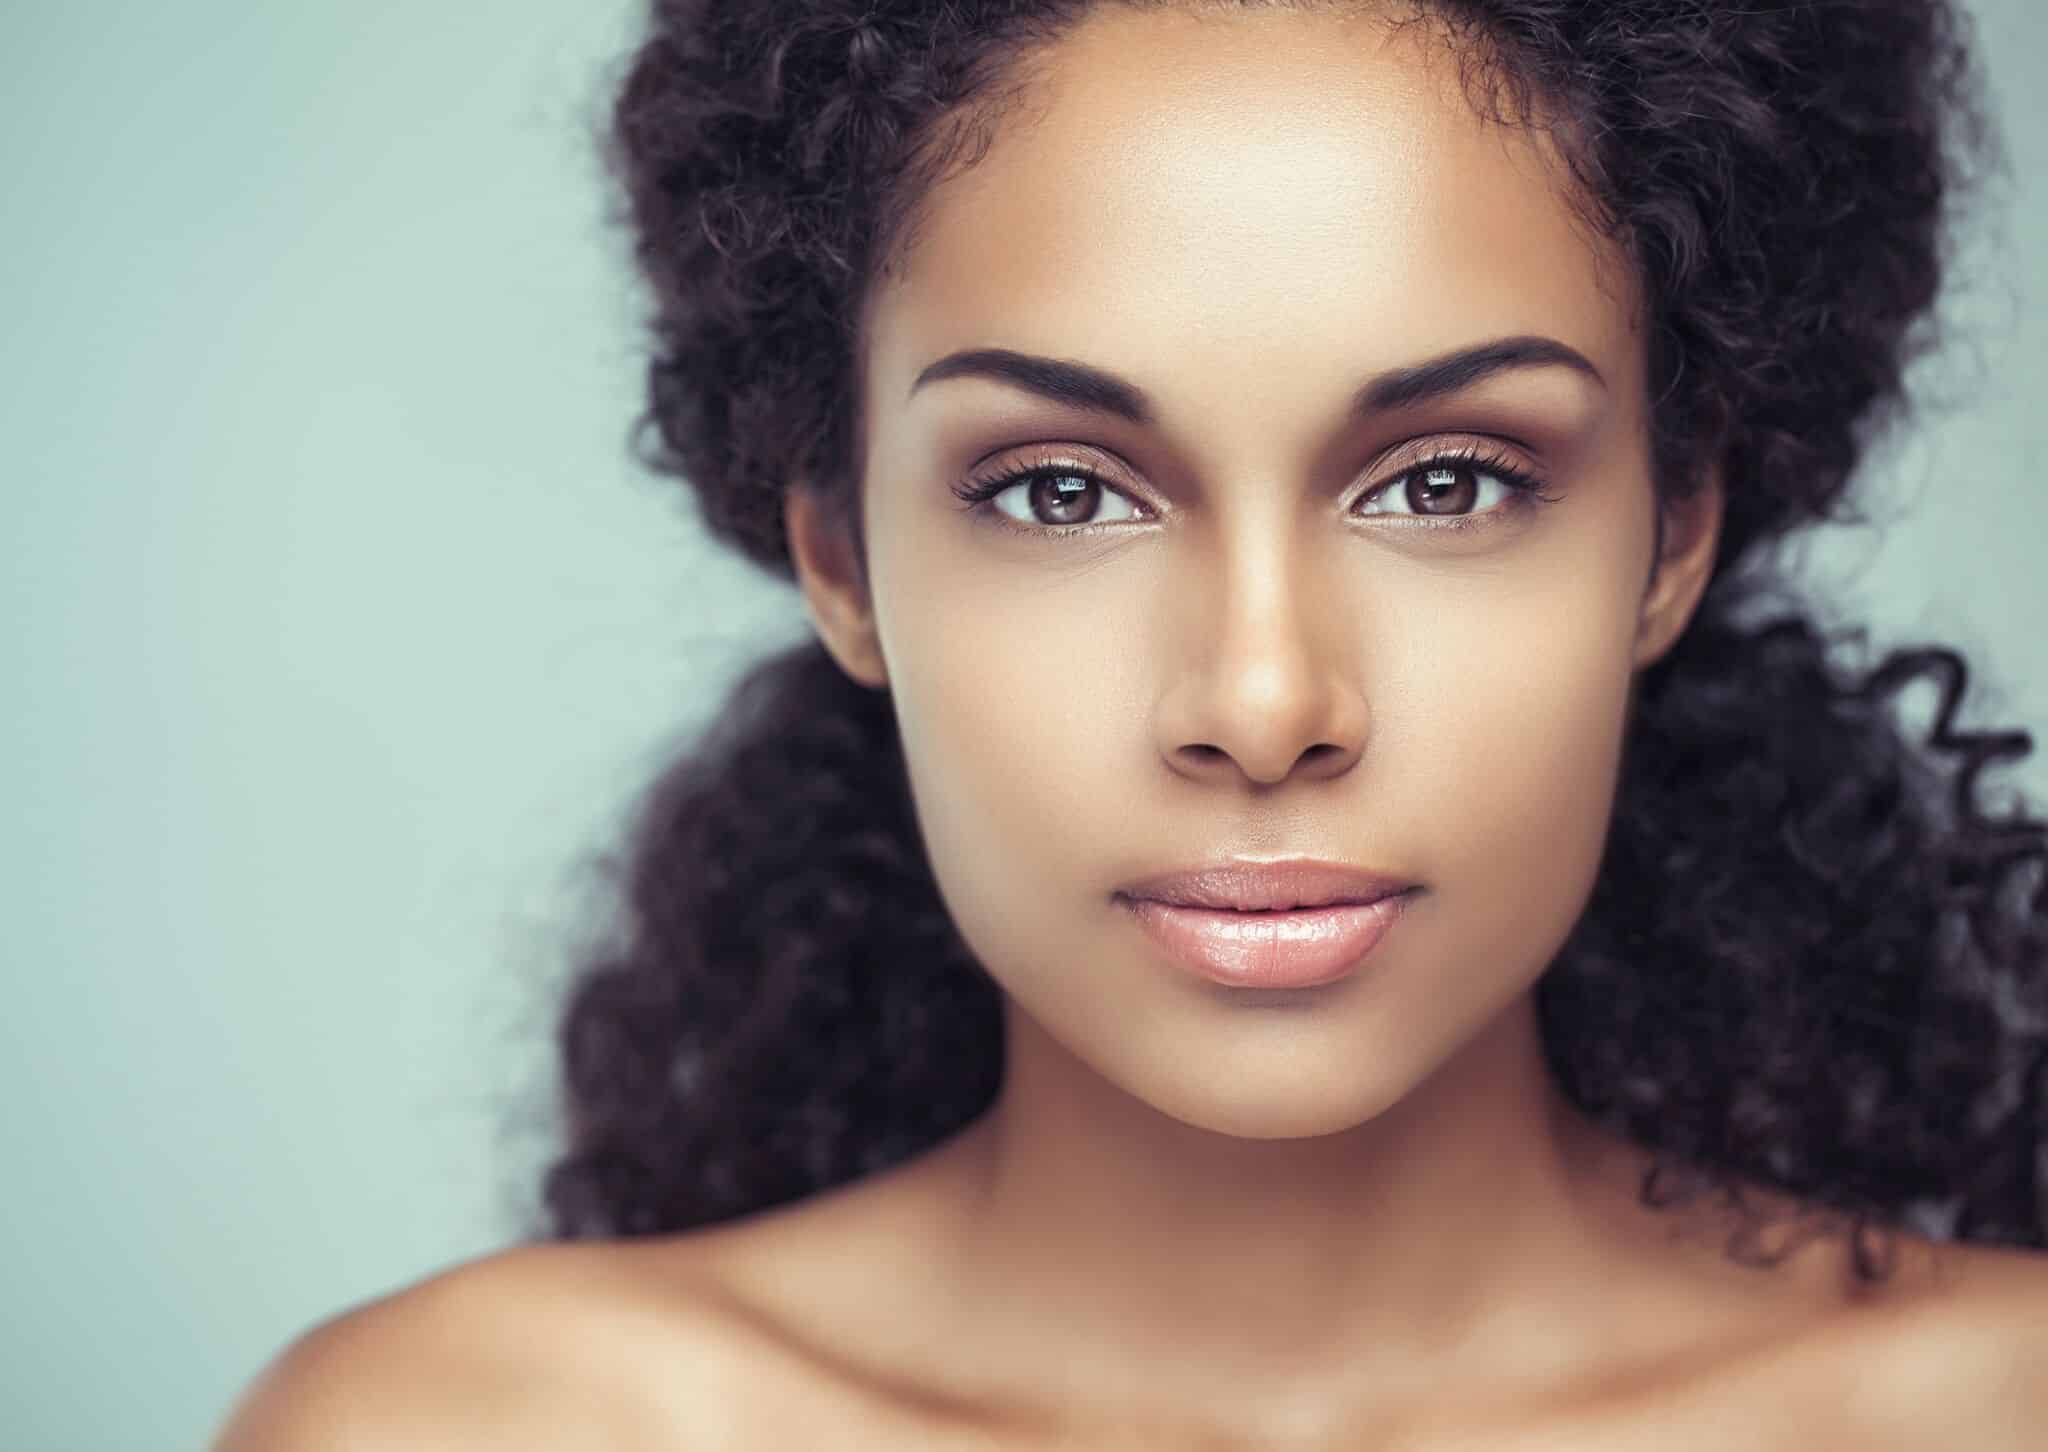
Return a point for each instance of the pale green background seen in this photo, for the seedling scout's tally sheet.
(341, 629)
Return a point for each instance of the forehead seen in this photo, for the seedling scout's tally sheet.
(1240, 199)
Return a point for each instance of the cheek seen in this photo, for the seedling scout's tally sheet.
(1507, 754)
(1019, 753)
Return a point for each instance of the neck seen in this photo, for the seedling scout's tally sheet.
(1476, 1210)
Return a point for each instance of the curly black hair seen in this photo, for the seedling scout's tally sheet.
(1845, 1005)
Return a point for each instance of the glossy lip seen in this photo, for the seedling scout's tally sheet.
(1301, 948)
(1244, 884)
(1296, 922)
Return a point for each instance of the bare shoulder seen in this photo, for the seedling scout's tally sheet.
(1974, 1351)
(1960, 1358)
(713, 1338)
(564, 1347)
(1953, 1352)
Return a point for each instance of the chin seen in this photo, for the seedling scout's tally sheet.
(1279, 1103)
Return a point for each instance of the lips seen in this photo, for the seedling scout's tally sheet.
(1295, 923)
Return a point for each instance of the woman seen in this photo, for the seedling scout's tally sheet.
(1287, 905)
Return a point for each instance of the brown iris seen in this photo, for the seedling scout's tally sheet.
(1442, 489)
(1068, 497)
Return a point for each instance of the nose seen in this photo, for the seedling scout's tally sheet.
(1270, 685)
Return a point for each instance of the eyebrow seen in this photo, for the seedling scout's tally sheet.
(1079, 385)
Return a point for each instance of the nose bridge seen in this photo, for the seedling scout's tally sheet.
(1262, 583)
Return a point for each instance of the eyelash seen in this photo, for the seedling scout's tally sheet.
(1526, 490)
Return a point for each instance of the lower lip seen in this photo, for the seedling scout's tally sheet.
(1300, 948)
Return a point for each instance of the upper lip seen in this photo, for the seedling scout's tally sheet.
(1249, 885)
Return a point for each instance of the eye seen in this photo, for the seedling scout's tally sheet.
(1051, 498)
(1452, 487)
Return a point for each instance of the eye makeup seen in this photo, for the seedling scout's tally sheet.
(1455, 473)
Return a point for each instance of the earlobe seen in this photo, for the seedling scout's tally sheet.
(1690, 537)
(834, 596)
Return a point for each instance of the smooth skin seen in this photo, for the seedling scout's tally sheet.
(1359, 1216)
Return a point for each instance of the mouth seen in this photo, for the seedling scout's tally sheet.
(1302, 947)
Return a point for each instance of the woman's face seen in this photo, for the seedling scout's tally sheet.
(1266, 632)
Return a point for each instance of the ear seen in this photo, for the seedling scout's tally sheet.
(829, 574)
(1689, 532)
